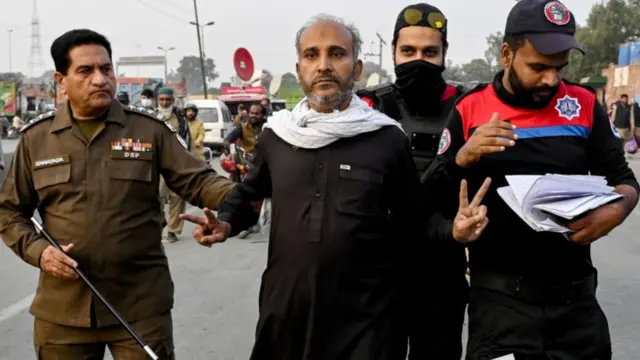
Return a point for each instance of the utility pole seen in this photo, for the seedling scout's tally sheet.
(204, 43)
(10, 31)
(165, 60)
(204, 73)
(379, 54)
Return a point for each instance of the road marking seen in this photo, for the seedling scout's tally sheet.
(16, 308)
(20, 305)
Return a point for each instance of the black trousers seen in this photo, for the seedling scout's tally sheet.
(503, 323)
(437, 320)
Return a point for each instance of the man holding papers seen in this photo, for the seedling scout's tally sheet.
(533, 291)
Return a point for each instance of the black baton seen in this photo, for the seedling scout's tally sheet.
(106, 303)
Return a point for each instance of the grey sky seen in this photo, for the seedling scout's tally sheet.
(266, 28)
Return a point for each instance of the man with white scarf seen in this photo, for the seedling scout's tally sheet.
(346, 213)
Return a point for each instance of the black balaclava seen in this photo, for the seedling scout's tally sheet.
(421, 82)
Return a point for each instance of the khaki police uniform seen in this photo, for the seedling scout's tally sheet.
(101, 194)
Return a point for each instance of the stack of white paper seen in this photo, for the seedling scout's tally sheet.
(546, 202)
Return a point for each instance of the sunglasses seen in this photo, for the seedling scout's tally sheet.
(435, 20)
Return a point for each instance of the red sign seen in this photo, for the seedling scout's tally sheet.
(243, 63)
(231, 90)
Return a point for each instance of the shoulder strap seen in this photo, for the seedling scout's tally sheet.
(39, 119)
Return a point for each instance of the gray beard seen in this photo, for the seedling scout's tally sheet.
(166, 111)
(332, 101)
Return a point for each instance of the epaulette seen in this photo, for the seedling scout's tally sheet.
(150, 114)
(38, 119)
(376, 90)
(475, 89)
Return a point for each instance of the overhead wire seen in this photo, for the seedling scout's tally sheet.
(168, 15)
(176, 7)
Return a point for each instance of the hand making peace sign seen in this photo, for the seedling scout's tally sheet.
(472, 218)
(208, 230)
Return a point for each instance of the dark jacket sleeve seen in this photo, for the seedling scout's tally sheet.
(440, 184)
(237, 209)
(235, 134)
(606, 155)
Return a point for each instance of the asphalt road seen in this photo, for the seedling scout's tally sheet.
(217, 292)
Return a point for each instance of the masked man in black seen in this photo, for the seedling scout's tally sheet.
(421, 100)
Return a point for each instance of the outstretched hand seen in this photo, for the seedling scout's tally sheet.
(471, 218)
(209, 230)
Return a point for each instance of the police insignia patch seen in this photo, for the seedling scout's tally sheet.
(445, 142)
(568, 107)
(557, 13)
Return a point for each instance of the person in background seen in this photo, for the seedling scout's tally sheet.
(175, 120)
(17, 121)
(266, 103)
(247, 137)
(623, 118)
(123, 98)
(241, 116)
(146, 99)
(196, 127)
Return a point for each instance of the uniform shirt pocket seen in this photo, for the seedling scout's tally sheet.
(45, 177)
(136, 169)
(359, 191)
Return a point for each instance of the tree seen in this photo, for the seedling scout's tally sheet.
(266, 79)
(608, 25)
(190, 70)
(289, 80)
(453, 72)
(493, 54)
(478, 70)
(13, 77)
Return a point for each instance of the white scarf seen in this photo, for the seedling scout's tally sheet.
(308, 129)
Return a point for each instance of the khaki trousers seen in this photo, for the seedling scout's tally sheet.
(176, 207)
(60, 342)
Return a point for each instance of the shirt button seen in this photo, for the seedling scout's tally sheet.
(318, 195)
(320, 166)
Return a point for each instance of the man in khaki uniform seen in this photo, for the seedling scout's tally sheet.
(92, 170)
(177, 205)
(196, 127)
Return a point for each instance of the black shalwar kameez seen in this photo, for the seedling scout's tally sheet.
(344, 218)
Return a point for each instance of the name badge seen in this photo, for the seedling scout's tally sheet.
(52, 161)
(132, 155)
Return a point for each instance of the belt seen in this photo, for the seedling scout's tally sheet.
(536, 291)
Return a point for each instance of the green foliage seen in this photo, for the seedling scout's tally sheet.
(190, 69)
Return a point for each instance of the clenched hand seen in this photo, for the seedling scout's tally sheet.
(597, 223)
(472, 218)
(57, 263)
(209, 230)
(494, 136)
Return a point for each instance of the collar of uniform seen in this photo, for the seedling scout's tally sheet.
(516, 101)
(63, 119)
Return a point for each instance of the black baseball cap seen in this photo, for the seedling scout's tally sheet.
(547, 24)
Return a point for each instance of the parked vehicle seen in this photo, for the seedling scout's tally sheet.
(217, 122)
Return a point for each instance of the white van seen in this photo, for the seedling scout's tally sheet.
(217, 121)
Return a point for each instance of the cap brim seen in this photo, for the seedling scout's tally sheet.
(553, 43)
